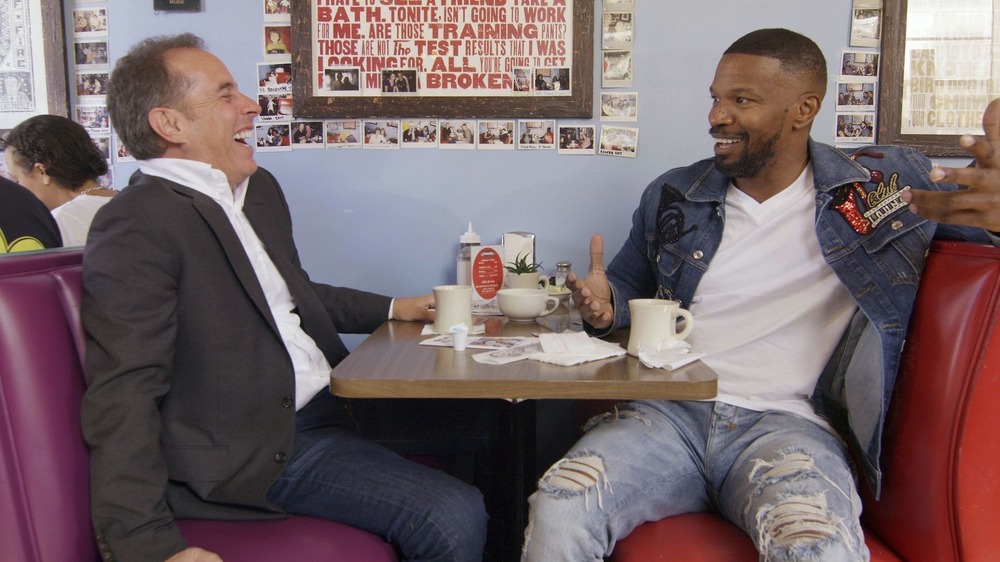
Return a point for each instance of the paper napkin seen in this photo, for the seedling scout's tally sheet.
(670, 355)
(573, 348)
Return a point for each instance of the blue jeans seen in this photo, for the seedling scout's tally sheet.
(785, 481)
(336, 474)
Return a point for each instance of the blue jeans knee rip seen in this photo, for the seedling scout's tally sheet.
(800, 525)
(577, 474)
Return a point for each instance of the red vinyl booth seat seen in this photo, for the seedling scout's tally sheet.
(44, 479)
(940, 498)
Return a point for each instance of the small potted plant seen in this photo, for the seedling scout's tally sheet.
(524, 275)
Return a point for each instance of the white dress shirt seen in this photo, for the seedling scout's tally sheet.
(312, 370)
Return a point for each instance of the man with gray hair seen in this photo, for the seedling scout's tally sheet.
(210, 348)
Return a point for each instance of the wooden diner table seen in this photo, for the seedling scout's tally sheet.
(391, 363)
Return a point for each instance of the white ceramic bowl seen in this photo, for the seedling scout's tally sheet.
(526, 304)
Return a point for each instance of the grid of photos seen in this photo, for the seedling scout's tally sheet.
(616, 72)
(857, 85)
(276, 129)
(91, 71)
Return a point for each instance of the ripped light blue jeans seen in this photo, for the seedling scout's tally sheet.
(784, 480)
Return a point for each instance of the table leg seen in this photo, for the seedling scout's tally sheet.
(518, 446)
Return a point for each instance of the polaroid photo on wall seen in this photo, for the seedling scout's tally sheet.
(522, 81)
(277, 11)
(90, 55)
(616, 69)
(856, 96)
(91, 85)
(618, 5)
(620, 106)
(536, 134)
(619, 141)
(274, 108)
(866, 23)
(307, 134)
(381, 135)
(399, 81)
(94, 118)
(122, 153)
(103, 143)
(278, 42)
(616, 30)
(420, 133)
(457, 134)
(855, 128)
(90, 22)
(340, 81)
(552, 81)
(273, 137)
(274, 78)
(496, 134)
(343, 133)
(575, 139)
(859, 64)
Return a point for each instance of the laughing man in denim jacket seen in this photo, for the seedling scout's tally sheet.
(800, 264)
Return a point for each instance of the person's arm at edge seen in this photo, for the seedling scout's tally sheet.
(130, 335)
(979, 204)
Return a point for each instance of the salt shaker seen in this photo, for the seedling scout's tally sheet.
(562, 270)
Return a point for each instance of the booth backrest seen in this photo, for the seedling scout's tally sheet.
(44, 479)
(44, 468)
(941, 458)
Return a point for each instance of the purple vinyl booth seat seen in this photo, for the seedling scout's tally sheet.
(940, 498)
(44, 479)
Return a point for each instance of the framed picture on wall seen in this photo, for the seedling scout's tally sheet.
(436, 59)
(938, 73)
(32, 61)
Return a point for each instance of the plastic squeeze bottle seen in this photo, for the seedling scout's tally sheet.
(464, 258)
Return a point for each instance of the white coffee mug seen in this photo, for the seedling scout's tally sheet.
(453, 304)
(526, 304)
(526, 281)
(654, 321)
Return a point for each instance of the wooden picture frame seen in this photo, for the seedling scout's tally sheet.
(44, 65)
(890, 108)
(55, 58)
(577, 105)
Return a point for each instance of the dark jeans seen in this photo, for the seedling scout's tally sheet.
(338, 473)
(347, 467)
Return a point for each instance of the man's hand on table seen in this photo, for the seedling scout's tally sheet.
(414, 309)
(592, 294)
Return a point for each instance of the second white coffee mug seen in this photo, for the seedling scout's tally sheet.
(654, 321)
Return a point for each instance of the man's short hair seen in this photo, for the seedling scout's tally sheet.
(141, 81)
(797, 54)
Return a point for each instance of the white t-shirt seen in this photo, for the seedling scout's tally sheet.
(769, 310)
(74, 218)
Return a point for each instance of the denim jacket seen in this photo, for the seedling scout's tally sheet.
(874, 244)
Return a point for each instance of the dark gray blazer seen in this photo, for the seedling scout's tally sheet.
(191, 409)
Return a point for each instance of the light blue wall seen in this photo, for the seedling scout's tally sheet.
(389, 221)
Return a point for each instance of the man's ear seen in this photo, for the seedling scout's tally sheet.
(806, 110)
(168, 124)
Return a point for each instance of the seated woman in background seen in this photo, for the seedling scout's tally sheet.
(56, 159)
